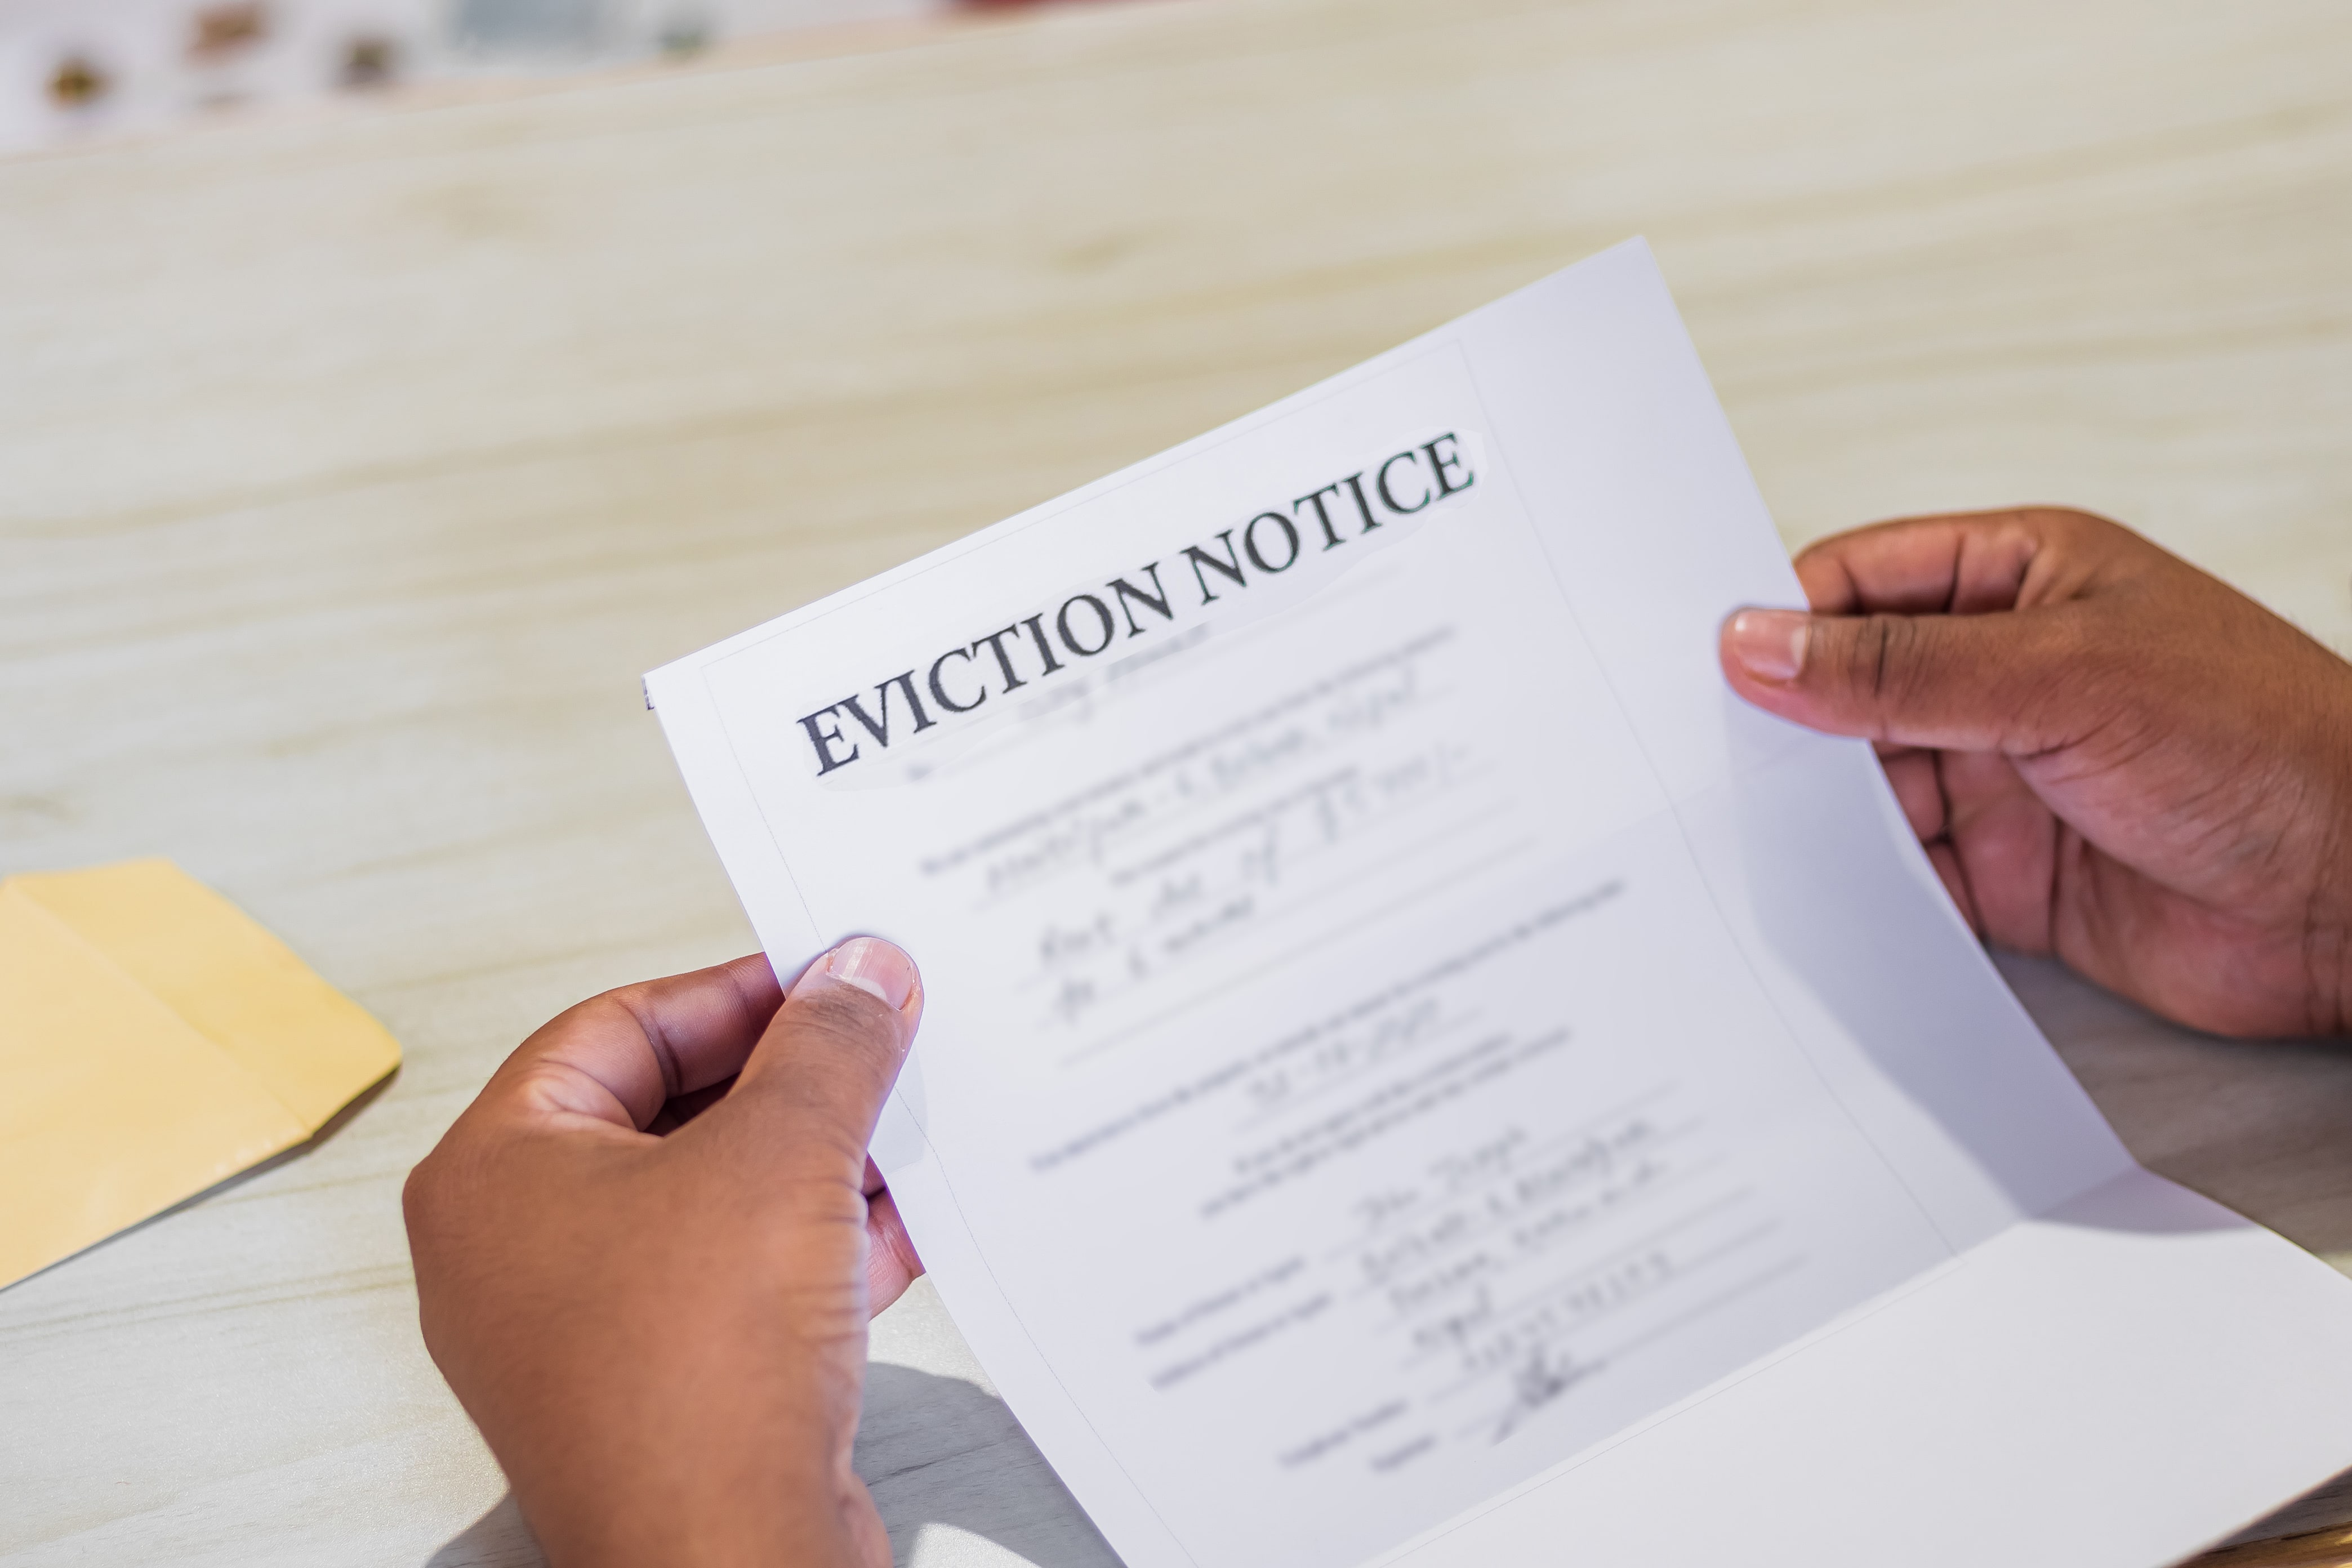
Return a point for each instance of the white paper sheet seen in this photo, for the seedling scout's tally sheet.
(1413, 1065)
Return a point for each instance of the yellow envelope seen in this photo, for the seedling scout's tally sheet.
(153, 1041)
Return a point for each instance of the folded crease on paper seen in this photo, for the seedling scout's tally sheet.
(154, 1041)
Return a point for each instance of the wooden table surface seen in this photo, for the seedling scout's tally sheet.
(353, 467)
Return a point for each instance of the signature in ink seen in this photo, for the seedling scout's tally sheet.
(1540, 1380)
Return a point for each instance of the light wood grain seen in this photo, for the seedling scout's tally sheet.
(2320, 1549)
(352, 468)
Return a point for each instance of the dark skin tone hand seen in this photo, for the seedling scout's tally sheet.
(646, 1256)
(2110, 755)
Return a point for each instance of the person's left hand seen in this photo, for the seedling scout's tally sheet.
(648, 1279)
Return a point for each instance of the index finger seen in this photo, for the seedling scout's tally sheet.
(620, 1057)
(1959, 564)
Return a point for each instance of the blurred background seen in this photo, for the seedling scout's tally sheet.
(71, 71)
(386, 384)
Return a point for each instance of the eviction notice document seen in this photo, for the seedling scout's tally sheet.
(1414, 1070)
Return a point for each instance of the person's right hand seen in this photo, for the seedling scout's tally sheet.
(646, 1253)
(2109, 755)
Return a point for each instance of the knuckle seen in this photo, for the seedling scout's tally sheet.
(1872, 651)
(618, 1009)
(2078, 534)
(430, 1214)
(443, 1189)
(823, 1313)
(427, 1209)
(827, 1201)
(1881, 648)
(828, 1154)
(419, 1196)
(2074, 520)
(1886, 660)
(809, 1125)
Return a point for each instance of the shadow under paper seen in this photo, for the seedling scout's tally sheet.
(940, 1450)
(934, 1451)
(499, 1539)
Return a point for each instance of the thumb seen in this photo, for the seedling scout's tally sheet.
(814, 1085)
(1976, 683)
